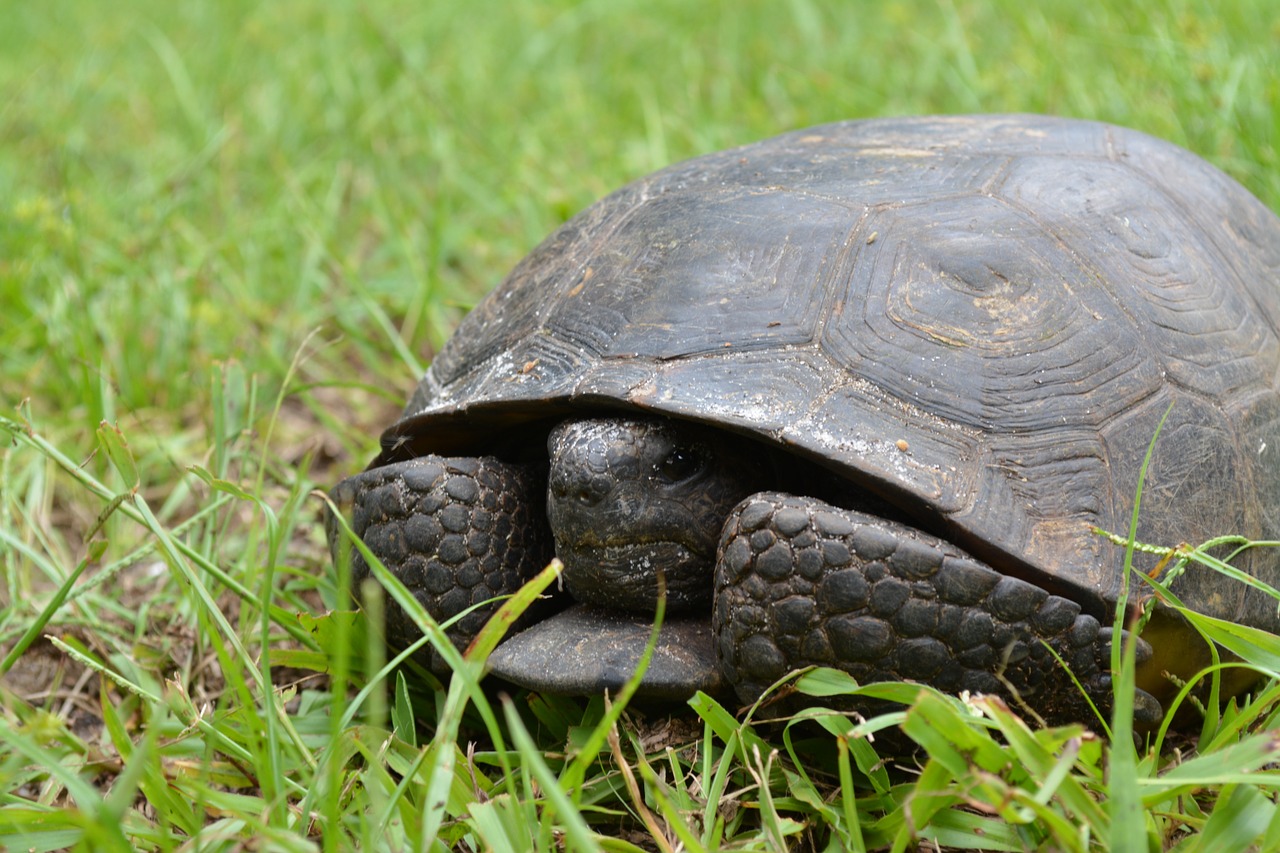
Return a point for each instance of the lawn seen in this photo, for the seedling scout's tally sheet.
(231, 237)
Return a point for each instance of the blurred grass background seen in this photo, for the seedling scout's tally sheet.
(188, 183)
(239, 230)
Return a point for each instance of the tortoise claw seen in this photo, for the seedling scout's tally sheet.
(1147, 710)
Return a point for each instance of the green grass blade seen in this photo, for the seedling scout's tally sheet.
(577, 833)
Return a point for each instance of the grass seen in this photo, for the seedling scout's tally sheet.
(231, 235)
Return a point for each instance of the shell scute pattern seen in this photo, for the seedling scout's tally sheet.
(1018, 300)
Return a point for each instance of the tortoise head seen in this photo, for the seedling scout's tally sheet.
(629, 499)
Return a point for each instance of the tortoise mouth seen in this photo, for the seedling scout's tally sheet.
(625, 575)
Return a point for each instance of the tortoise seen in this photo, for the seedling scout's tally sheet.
(861, 396)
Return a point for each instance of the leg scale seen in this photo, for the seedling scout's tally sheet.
(800, 582)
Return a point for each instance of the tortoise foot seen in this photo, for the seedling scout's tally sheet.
(455, 531)
(800, 582)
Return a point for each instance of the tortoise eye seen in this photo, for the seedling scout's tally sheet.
(680, 464)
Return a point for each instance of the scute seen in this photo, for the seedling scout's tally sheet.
(982, 319)
(703, 248)
(1193, 308)
(968, 309)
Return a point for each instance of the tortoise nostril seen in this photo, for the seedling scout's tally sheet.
(591, 490)
(585, 490)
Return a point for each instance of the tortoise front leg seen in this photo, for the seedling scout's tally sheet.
(800, 582)
(455, 531)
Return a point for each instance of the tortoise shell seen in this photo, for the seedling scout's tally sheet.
(980, 319)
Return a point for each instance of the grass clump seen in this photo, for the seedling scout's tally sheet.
(232, 234)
